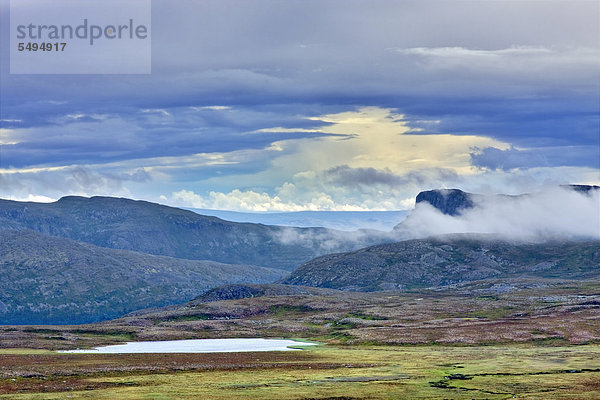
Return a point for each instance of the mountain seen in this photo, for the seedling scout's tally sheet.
(160, 230)
(88, 259)
(454, 201)
(46, 279)
(447, 260)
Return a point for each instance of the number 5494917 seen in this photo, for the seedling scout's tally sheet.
(45, 46)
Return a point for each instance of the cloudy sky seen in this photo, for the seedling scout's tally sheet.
(287, 105)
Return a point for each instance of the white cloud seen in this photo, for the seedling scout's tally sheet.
(249, 200)
(159, 111)
(214, 108)
(306, 194)
(379, 138)
(47, 184)
(8, 136)
(33, 198)
(370, 161)
(462, 52)
(287, 130)
(553, 213)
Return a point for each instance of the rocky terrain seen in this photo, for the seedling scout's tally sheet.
(243, 291)
(550, 311)
(448, 201)
(447, 260)
(90, 259)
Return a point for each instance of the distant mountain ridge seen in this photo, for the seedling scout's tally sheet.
(447, 260)
(161, 230)
(339, 220)
(46, 279)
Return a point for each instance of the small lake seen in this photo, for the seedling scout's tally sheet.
(197, 346)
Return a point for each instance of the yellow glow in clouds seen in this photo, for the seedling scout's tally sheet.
(380, 139)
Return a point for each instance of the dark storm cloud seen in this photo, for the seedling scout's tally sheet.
(344, 175)
(547, 122)
(91, 139)
(349, 177)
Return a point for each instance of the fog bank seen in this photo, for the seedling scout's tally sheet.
(555, 213)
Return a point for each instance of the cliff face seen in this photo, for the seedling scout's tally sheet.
(448, 201)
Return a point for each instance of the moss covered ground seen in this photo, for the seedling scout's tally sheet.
(325, 372)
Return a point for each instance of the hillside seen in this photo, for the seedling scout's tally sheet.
(244, 291)
(540, 310)
(161, 230)
(45, 279)
(447, 260)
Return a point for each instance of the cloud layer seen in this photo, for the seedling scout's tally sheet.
(554, 213)
(249, 109)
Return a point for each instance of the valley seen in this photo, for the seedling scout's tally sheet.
(461, 316)
(485, 340)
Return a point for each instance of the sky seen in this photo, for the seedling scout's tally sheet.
(295, 105)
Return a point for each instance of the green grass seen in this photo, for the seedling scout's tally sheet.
(196, 317)
(24, 351)
(284, 310)
(493, 313)
(367, 317)
(370, 372)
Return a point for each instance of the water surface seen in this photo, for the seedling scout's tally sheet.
(197, 346)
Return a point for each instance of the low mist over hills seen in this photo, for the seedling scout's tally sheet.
(89, 259)
(339, 220)
(455, 202)
(54, 280)
(569, 212)
(161, 230)
(447, 260)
